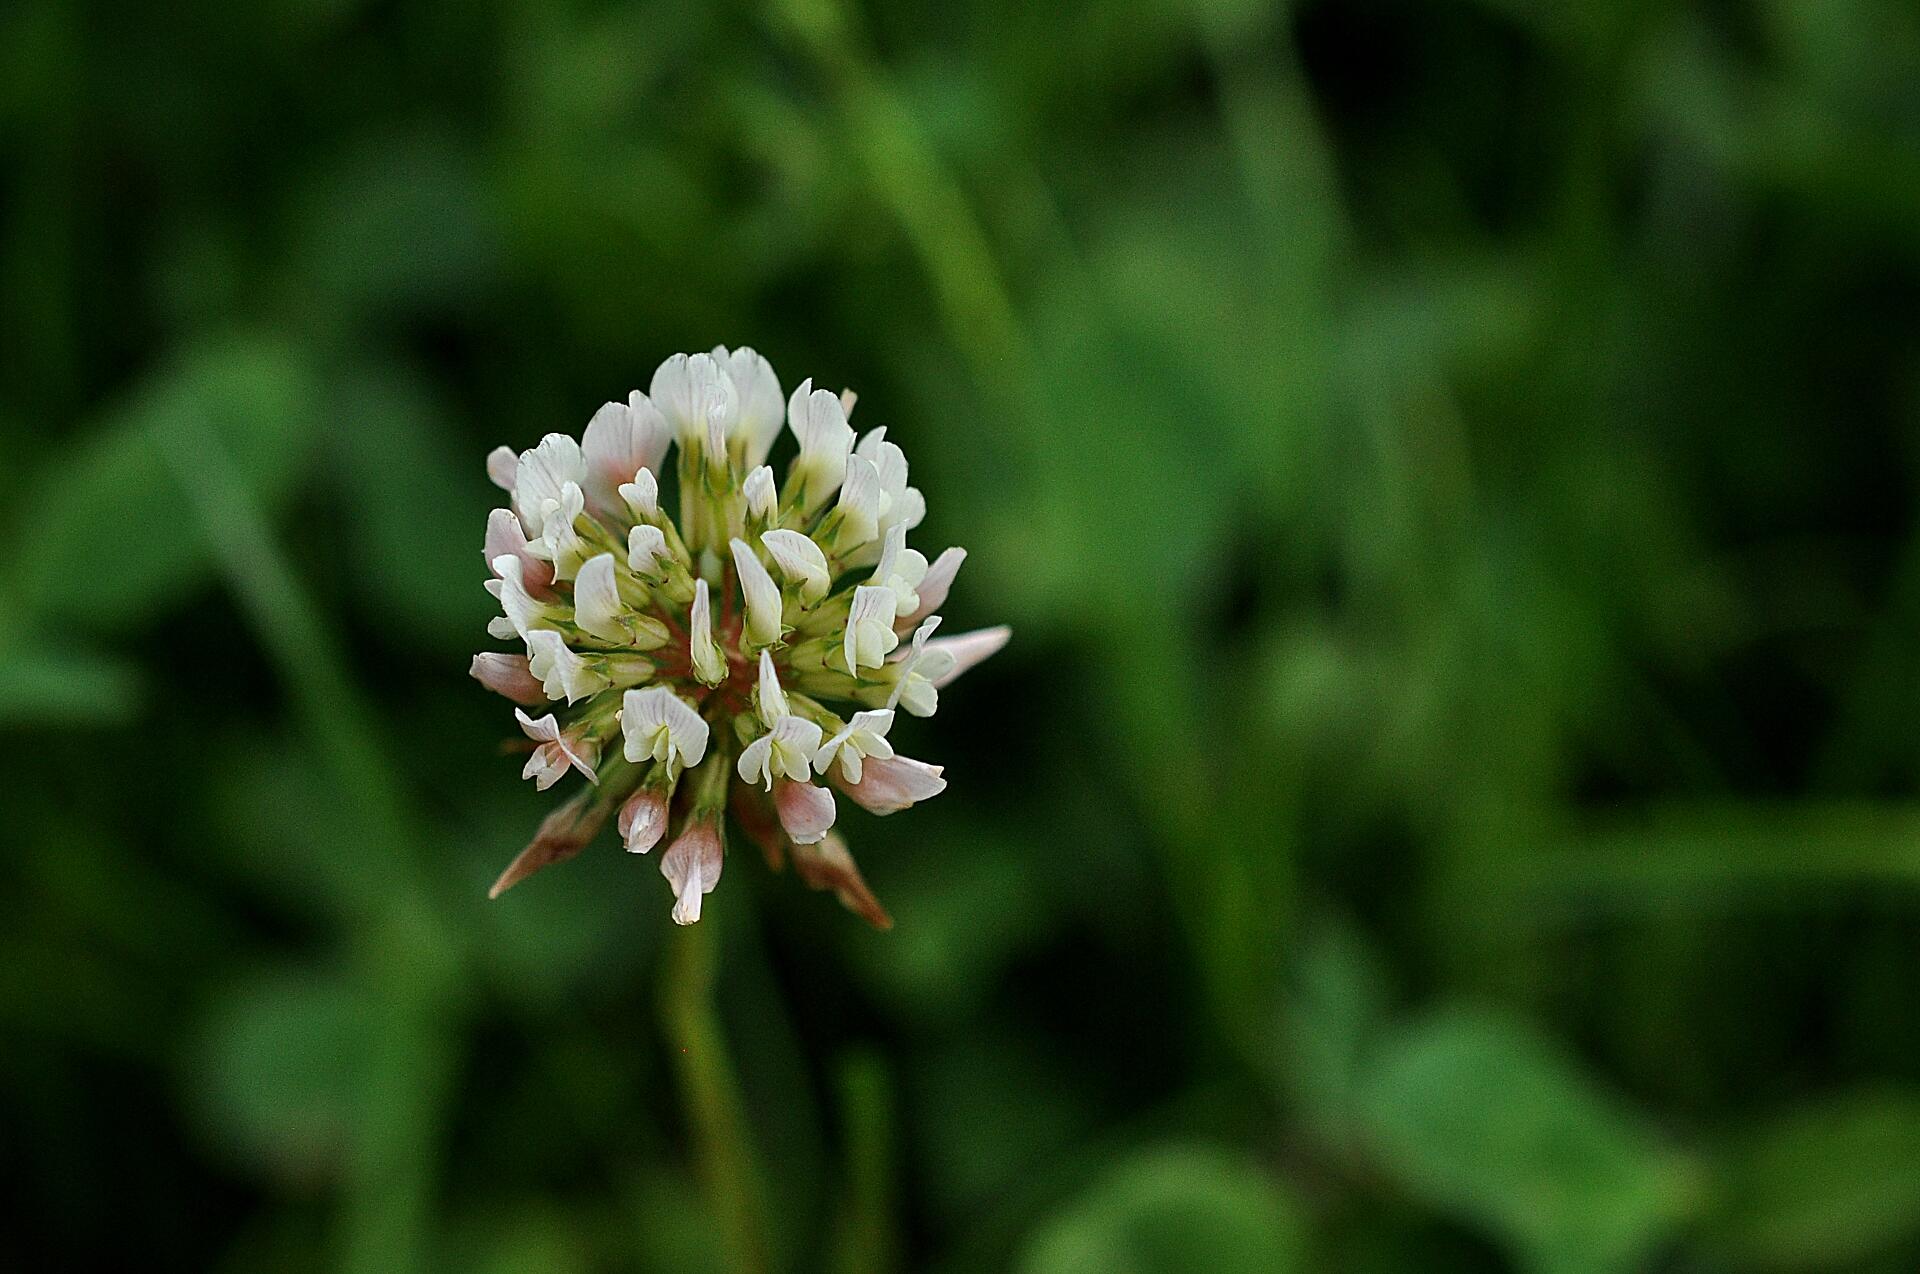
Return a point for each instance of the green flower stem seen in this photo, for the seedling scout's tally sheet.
(710, 1089)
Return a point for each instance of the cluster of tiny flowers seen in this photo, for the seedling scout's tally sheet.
(750, 654)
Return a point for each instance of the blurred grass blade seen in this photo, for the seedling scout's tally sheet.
(62, 686)
(400, 948)
(1831, 1184)
(863, 1240)
(1708, 856)
(111, 546)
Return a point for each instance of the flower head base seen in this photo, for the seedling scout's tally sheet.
(747, 654)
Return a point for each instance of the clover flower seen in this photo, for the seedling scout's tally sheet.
(748, 655)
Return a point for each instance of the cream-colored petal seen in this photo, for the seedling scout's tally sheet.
(596, 600)
(762, 596)
(801, 561)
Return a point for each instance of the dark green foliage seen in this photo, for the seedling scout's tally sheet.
(1449, 804)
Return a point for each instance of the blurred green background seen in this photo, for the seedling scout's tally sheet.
(1450, 803)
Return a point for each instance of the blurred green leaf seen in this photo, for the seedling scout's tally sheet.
(1824, 1186)
(536, 1236)
(415, 516)
(278, 1072)
(1480, 1116)
(1337, 1006)
(112, 542)
(1172, 1210)
(64, 686)
(401, 222)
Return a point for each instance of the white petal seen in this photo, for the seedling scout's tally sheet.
(801, 561)
(524, 613)
(909, 509)
(819, 423)
(646, 545)
(870, 636)
(759, 389)
(642, 495)
(697, 397)
(596, 601)
(860, 502)
(761, 494)
(914, 687)
(540, 729)
(901, 569)
(934, 588)
(756, 762)
(761, 593)
(559, 540)
(864, 736)
(773, 699)
(541, 474)
(795, 740)
(890, 469)
(786, 751)
(708, 663)
(561, 672)
(658, 724)
(557, 751)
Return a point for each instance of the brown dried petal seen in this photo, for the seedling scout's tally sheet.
(756, 818)
(565, 833)
(829, 865)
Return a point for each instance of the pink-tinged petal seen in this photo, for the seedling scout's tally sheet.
(643, 820)
(565, 833)
(968, 649)
(890, 784)
(620, 441)
(806, 811)
(506, 538)
(692, 866)
(829, 865)
(934, 588)
(502, 463)
(507, 675)
(559, 749)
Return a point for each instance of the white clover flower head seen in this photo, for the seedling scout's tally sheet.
(739, 656)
